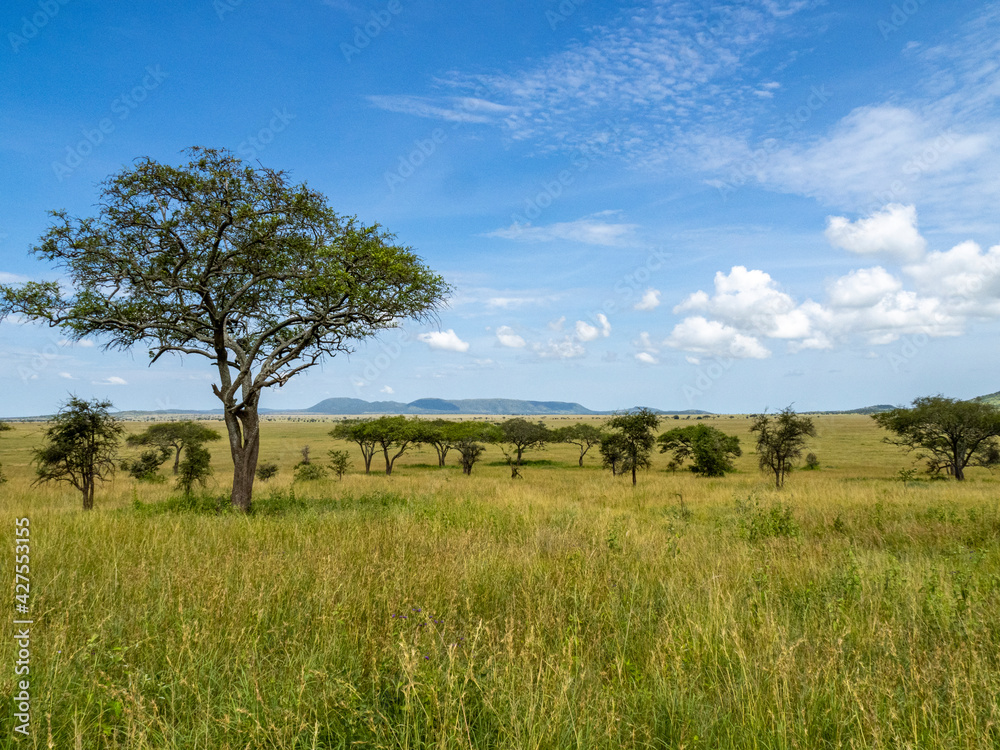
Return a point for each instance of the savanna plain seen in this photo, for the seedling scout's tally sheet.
(857, 607)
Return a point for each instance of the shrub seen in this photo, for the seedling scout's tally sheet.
(309, 472)
(267, 470)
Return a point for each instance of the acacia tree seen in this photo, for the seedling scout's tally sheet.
(358, 431)
(518, 435)
(81, 445)
(632, 435)
(467, 438)
(222, 260)
(435, 433)
(711, 450)
(4, 427)
(612, 450)
(949, 434)
(781, 439)
(393, 433)
(175, 436)
(584, 436)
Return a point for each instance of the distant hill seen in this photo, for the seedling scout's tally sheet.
(494, 406)
(989, 398)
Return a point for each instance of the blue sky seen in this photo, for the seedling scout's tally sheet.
(721, 206)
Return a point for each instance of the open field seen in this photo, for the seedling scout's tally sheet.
(563, 610)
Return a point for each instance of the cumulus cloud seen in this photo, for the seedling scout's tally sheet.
(446, 340)
(710, 337)
(67, 376)
(587, 332)
(508, 337)
(650, 300)
(891, 231)
(387, 390)
(863, 288)
(646, 358)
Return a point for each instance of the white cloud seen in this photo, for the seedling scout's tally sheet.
(646, 358)
(565, 349)
(508, 337)
(12, 278)
(67, 376)
(710, 337)
(113, 380)
(650, 300)
(387, 390)
(748, 299)
(587, 332)
(446, 340)
(863, 288)
(586, 231)
(457, 109)
(891, 231)
(557, 325)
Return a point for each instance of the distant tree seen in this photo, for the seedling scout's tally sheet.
(781, 439)
(435, 433)
(710, 450)
(305, 456)
(339, 462)
(812, 463)
(195, 468)
(358, 431)
(308, 472)
(81, 446)
(267, 470)
(612, 449)
(635, 438)
(228, 261)
(394, 434)
(146, 468)
(468, 439)
(4, 427)
(949, 434)
(584, 436)
(518, 435)
(174, 436)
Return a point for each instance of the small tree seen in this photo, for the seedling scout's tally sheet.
(812, 463)
(4, 427)
(266, 470)
(781, 439)
(949, 434)
(146, 467)
(393, 434)
(635, 438)
(173, 436)
(195, 468)
(612, 449)
(305, 456)
(339, 462)
(358, 431)
(81, 447)
(467, 438)
(710, 450)
(518, 435)
(435, 433)
(584, 436)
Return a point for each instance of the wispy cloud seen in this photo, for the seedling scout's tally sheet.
(588, 231)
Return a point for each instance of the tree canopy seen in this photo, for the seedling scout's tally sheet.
(81, 445)
(584, 436)
(781, 439)
(630, 441)
(710, 450)
(175, 436)
(233, 263)
(949, 434)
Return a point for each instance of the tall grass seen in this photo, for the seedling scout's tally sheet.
(429, 609)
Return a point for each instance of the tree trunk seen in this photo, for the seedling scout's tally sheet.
(959, 471)
(177, 459)
(88, 494)
(633, 474)
(244, 444)
(581, 457)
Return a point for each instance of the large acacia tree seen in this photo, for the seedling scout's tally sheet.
(950, 434)
(233, 263)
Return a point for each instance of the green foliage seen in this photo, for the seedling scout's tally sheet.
(171, 247)
(195, 468)
(584, 436)
(267, 470)
(468, 439)
(81, 446)
(146, 468)
(358, 431)
(710, 450)
(812, 462)
(340, 461)
(949, 434)
(758, 522)
(781, 438)
(517, 435)
(631, 441)
(309, 472)
(173, 436)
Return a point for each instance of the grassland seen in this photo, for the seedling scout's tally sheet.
(564, 610)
